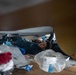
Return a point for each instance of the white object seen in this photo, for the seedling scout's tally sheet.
(18, 57)
(50, 61)
(31, 31)
(6, 67)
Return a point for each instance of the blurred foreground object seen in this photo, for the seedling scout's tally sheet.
(13, 5)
